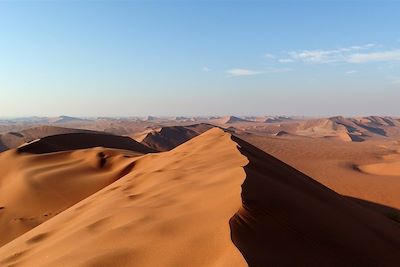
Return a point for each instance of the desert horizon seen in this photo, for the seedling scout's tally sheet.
(199, 133)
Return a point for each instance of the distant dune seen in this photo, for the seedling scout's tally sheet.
(15, 139)
(386, 168)
(168, 138)
(191, 206)
(348, 129)
(67, 119)
(71, 141)
(229, 119)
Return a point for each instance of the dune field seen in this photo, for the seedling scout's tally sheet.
(68, 201)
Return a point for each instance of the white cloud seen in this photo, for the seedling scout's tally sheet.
(396, 81)
(206, 69)
(269, 56)
(315, 56)
(286, 60)
(248, 72)
(393, 55)
(242, 72)
(351, 54)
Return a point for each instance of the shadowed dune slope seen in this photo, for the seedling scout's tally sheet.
(289, 218)
(14, 139)
(190, 205)
(168, 138)
(71, 141)
(34, 188)
(2, 147)
(172, 209)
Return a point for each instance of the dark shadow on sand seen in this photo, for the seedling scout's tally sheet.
(72, 141)
(289, 219)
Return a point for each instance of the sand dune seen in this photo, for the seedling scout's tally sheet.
(187, 207)
(332, 163)
(228, 120)
(34, 188)
(71, 141)
(356, 129)
(385, 168)
(172, 209)
(289, 219)
(168, 138)
(389, 164)
(68, 119)
(15, 139)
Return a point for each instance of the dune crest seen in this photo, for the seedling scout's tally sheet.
(287, 218)
(72, 141)
(169, 206)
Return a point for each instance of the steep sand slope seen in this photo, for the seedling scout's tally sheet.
(337, 164)
(175, 209)
(168, 138)
(15, 139)
(289, 219)
(71, 141)
(34, 188)
(172, 209)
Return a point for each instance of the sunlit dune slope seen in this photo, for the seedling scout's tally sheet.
(34, 188)
(172, 209)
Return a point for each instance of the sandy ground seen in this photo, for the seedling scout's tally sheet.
(214, 200)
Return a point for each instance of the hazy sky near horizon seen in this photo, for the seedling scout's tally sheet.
(125, 58)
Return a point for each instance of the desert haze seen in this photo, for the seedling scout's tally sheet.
(200, 191)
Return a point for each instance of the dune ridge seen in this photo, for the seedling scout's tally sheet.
(170, 137)
(170, 205)
(287, 218)
(72, 141)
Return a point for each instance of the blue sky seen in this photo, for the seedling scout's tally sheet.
(109, 58)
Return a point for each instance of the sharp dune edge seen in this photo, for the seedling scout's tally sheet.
(213, 201)
(172, 209)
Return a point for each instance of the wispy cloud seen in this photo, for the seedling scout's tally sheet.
(286, 60)
(327, 56)
(249, 72)
(395, 81)
(206, 69)
(269, 56)
(393, 55)
(242, 72)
